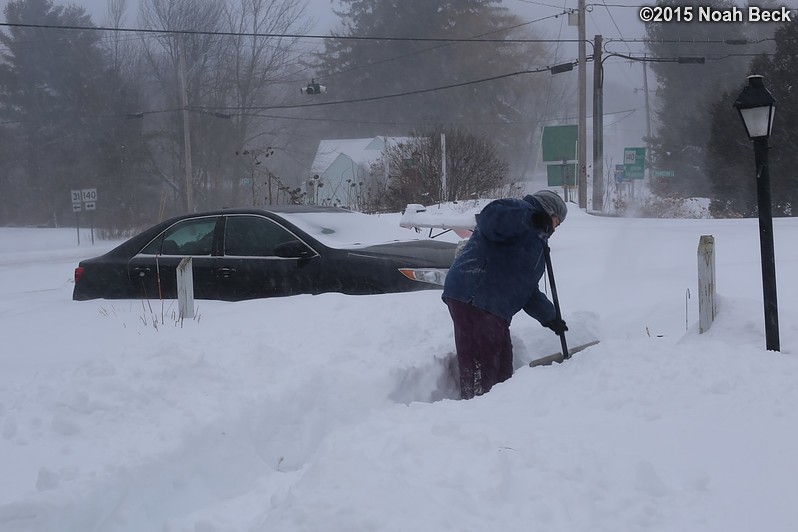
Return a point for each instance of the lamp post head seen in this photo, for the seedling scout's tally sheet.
(757, 107)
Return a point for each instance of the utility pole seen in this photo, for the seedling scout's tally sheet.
(444, 195)
(598, 127)
(648, 108)
(582, 147)
(648, 121)
(186, 129)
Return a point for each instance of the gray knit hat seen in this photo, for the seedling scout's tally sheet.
(552, 203)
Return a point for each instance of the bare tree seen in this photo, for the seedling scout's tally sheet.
(185, 52)
(473, 168)
(231, 56)
(258, 60)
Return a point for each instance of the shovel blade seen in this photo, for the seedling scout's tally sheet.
(558, 357)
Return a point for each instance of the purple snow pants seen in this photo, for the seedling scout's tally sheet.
(484, 349)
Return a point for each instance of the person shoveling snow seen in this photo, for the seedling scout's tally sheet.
(494, 277)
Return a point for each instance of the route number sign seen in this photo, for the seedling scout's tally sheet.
(89, 195)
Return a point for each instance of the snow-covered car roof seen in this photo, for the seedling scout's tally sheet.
(346, 229)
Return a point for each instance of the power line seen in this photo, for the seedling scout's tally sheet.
(433, 122)
(281, 35)
(625, 73)
(378, 38)
(551, 80)
(731, 42)
(614, 23)
(540, 4)
(216, 109)
(395, 95)
(645, 58)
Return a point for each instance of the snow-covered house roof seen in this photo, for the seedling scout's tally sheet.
(359, 151)
(341, 162)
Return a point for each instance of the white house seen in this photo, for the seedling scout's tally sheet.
(343, 170)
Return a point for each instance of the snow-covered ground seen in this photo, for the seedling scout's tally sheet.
(331, 412)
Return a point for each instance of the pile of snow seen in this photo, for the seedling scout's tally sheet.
(334, 412)
(656, 207)
(694, 208)
(450, 215)
(652, 206)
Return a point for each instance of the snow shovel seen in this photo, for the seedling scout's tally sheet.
(558, 357)
(565, 355)
(547, 254)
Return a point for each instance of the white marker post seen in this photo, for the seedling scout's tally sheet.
(89, 197)
(185, 289)
(706, 283)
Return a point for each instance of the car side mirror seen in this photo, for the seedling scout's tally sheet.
(293, 249)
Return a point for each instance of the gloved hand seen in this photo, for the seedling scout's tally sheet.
(557, 325)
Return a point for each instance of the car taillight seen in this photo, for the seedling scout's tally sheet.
(425, 275)
(78, 272)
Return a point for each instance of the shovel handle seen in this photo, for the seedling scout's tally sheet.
(547, 254)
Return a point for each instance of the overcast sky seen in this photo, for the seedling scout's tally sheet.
(612, 22)
(545, 18)
(317, 9)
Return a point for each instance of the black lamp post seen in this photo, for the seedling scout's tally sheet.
(756, 107)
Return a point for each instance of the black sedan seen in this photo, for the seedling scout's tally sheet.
(252, 253)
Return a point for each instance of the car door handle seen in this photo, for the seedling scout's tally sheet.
(225, 272)
(142, 270)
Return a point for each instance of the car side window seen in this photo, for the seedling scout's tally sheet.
(253, 236)
(187, 237)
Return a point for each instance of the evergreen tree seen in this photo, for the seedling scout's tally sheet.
(50, 81)
(373, 65)
(65, 109)
(126, 177)
(687, 92)
(730, 158)
(780, 74)
(730, 165)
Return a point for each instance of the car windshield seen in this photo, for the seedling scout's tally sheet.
(351, 229)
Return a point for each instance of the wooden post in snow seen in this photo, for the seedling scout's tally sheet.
(185, 289)
(706, 282)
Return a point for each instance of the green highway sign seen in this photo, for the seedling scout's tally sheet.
(559, 143)
(634, 162)
(663, 173)
(561, 175)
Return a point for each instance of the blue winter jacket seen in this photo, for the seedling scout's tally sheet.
(500, 266)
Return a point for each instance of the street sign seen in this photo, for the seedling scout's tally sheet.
(559, 143)
(561, 175)
(663, 173)
(634, 163)
(84, 199)
(620, 174)
(89, 195)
